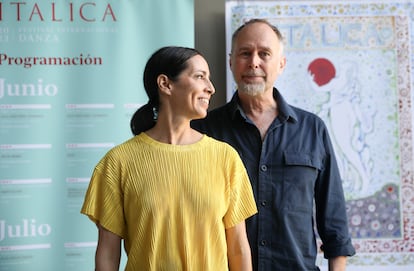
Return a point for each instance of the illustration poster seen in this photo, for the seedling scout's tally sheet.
(351, 63)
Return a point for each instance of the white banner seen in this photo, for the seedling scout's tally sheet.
(70, 79)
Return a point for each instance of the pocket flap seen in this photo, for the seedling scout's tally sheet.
(302, 159)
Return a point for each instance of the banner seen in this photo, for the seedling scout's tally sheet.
(351, 63)
(70, 79)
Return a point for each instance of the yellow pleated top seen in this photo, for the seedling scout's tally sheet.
(170, 203)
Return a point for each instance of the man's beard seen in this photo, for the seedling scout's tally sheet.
(252, 89)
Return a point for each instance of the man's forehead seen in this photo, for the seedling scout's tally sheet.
(252, 37)
(257, 35)
(254, 46)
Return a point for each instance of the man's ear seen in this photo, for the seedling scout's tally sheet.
(283, 63)
(164, 84)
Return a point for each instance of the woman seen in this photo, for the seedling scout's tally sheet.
(177, 197)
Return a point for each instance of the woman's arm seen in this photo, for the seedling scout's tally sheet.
(337, 263)
(238, 248)
(108, 252)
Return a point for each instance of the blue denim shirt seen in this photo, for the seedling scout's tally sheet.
(294, 175)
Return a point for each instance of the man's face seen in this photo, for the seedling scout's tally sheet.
(256, 59)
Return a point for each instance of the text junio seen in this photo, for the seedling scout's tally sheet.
(27, 89)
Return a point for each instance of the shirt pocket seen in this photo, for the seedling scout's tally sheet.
(300, 173)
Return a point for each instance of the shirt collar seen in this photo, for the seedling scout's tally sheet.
(286, 112)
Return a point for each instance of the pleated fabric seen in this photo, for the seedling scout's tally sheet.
(170, 203)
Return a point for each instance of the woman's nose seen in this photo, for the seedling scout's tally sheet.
(210, 88)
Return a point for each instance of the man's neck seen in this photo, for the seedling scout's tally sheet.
(263, 103)
(261, 110)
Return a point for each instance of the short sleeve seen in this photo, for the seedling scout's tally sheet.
(241, 204)
(103, 202)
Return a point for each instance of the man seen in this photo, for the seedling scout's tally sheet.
(289, 159)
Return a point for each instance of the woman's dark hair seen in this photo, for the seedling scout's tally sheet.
(170, 61)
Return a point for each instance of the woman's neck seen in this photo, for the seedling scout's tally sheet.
(174, 134)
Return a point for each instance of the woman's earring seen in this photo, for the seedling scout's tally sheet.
(154, 114)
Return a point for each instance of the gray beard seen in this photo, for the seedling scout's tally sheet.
(252, 89)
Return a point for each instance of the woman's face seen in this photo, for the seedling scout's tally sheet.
(191, 92)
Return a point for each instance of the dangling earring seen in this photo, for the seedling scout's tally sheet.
(154, 114)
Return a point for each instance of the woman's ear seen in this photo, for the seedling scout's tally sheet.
(164, 84)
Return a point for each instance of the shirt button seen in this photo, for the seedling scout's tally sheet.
(263, 167)
(263, 242)
(264, 203)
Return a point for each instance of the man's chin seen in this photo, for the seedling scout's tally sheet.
(252, 90)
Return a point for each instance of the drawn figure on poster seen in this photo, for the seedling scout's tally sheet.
(346, 122)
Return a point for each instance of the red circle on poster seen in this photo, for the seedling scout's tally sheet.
(322, 70)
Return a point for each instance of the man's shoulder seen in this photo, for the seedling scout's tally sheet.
(305, 115)
(220, 110)
(221, 113)
(215, 122)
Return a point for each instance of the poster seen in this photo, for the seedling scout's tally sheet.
(70, 79)
(350, 62)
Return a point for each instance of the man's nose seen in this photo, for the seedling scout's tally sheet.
(254, 61)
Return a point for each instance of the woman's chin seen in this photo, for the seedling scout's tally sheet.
(200, 116)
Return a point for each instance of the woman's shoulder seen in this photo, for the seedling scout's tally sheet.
(125, 148)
